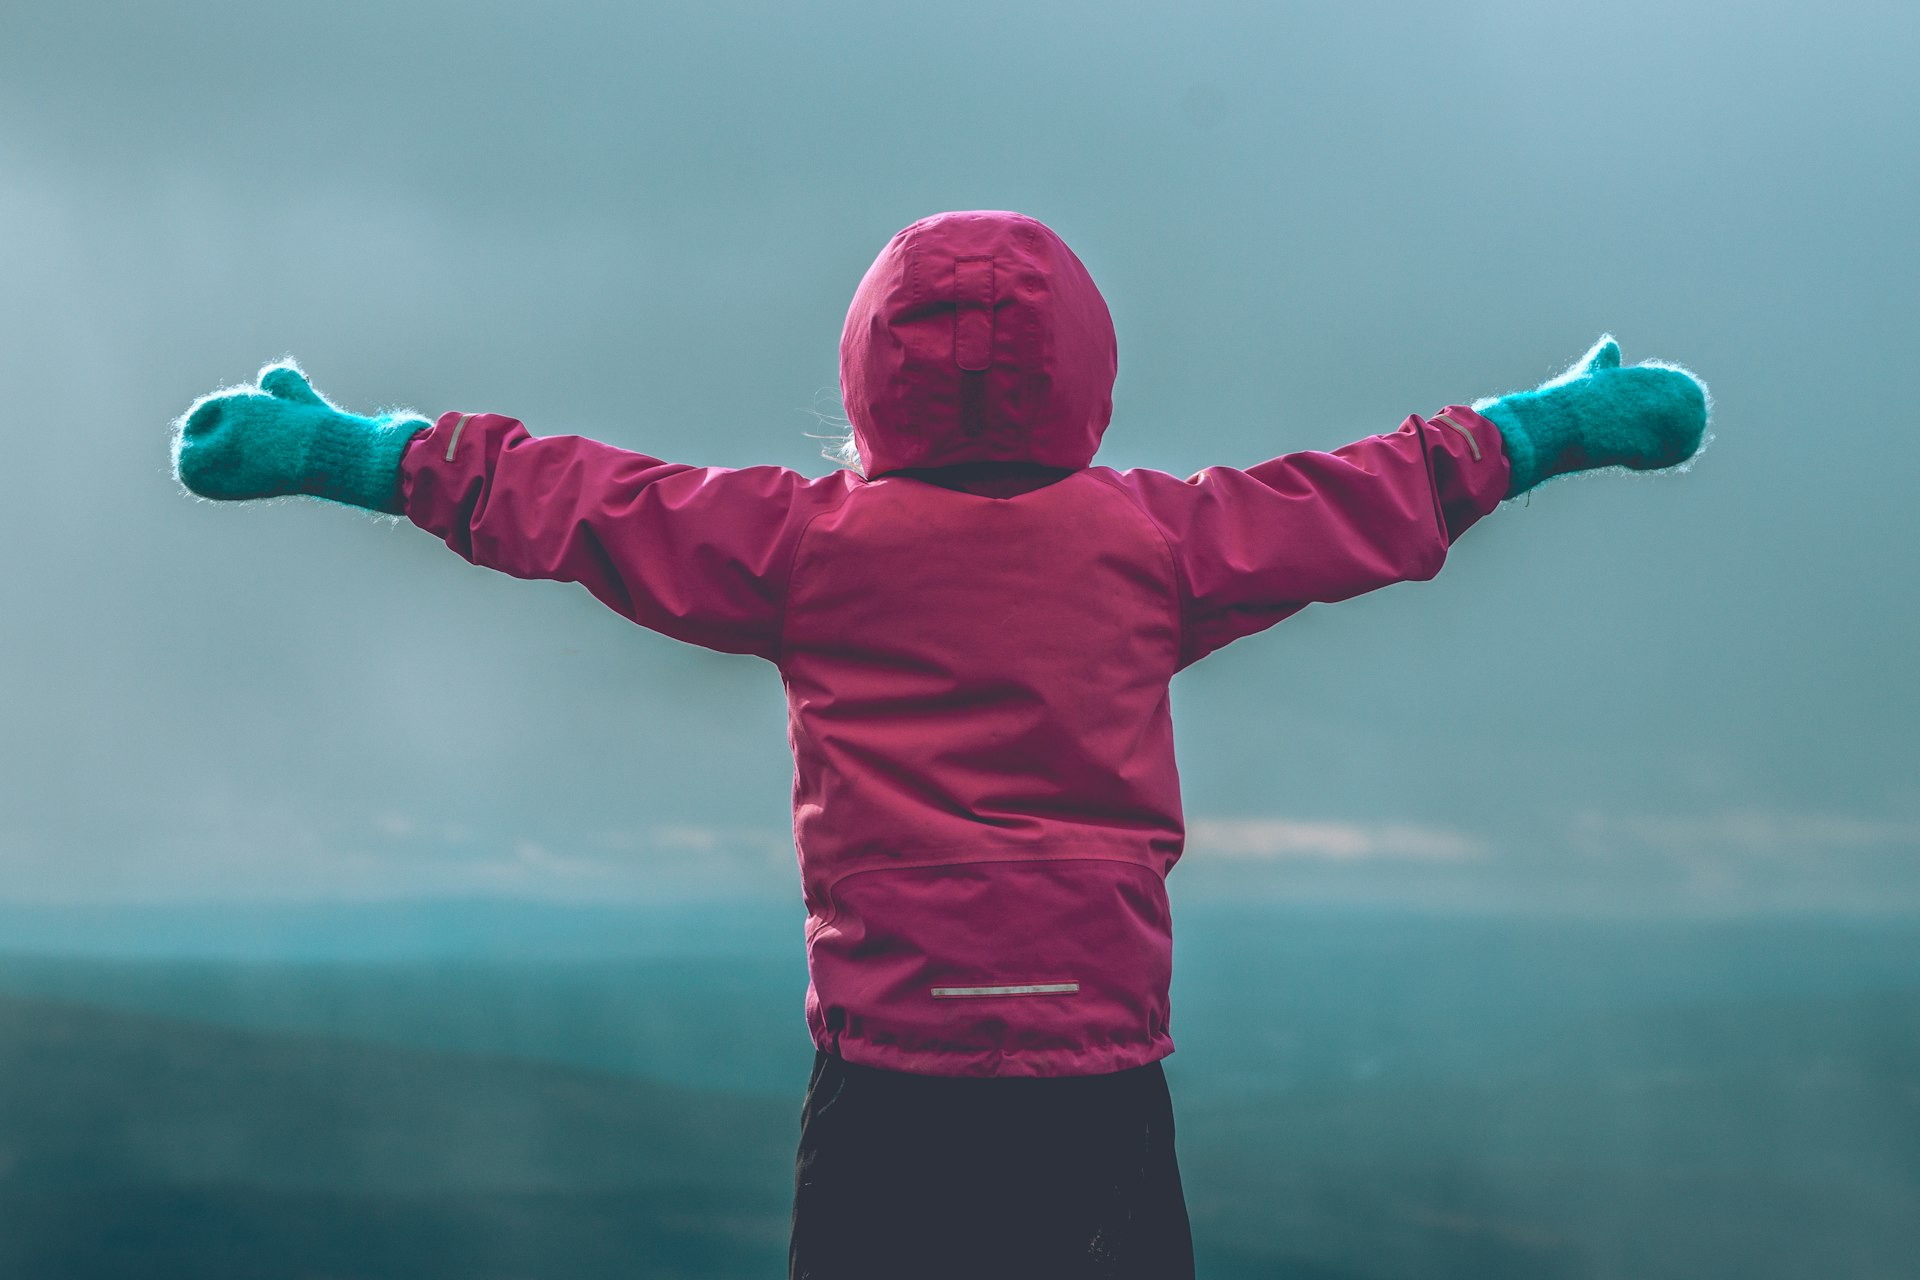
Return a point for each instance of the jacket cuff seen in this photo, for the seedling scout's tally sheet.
(1471, 467)
(436, 445)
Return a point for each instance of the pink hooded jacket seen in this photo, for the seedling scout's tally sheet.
(976, 659)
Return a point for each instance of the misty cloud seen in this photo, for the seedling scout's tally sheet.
(1338, 841)
(644, 225)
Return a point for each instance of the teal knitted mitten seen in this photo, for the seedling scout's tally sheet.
(282, 438)
(1597, 414)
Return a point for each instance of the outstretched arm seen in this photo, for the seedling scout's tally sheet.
(697, 553)
(1253, 547)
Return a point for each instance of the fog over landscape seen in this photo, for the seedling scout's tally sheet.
(644, 225)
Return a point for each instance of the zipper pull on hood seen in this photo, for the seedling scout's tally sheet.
(977, 337)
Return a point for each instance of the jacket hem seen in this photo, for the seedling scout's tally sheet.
(1088, 1061)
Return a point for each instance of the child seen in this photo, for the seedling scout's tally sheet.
(976, 631)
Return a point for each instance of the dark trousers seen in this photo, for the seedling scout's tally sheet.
(906, 1177)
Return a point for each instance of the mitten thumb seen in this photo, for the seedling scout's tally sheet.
(286, 382)
(1604, 354)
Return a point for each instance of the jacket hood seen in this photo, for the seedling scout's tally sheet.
(977, 337)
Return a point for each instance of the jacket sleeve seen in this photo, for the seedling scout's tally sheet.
(697, 553)
(1253, 547)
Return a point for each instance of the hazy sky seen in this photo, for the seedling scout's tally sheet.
(643, 223)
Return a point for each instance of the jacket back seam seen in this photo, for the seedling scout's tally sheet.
(1182, 589)
(779, 655)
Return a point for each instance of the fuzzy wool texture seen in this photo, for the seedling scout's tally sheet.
(1647, 417)
(280, 437)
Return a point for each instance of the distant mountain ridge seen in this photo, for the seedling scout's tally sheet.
(1361, 1095)
(350, 931)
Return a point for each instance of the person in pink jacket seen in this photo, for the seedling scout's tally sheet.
(976, 629)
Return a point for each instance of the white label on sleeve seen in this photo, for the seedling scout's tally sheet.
(1471, 442)
(454, 443)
